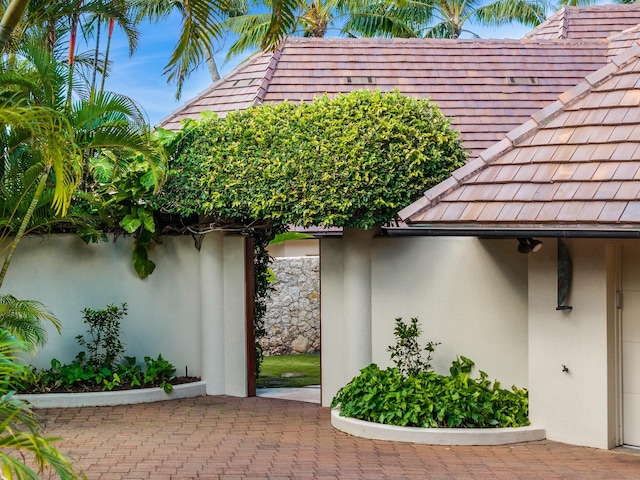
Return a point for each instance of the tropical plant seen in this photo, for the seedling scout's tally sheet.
(100, 133)
(19, 428)
(430, 400)
(201, 29)
(81, 376)
(351, 161)
(24, 319)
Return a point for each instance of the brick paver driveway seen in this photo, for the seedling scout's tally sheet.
(231, 438)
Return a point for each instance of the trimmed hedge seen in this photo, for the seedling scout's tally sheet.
(352, 161)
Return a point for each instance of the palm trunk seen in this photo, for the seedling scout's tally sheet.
(106, 54)
(95, 56)
(213, 69)
(72, 53)
(42, 183)
(10, 19)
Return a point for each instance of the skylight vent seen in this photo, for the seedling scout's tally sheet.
(360, 80)
(522, 81)
(245, 82)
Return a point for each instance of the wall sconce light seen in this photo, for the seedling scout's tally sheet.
(528, 245)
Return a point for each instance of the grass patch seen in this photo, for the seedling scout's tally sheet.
(275, 366)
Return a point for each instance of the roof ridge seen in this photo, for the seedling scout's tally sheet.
(563, 25)
(539, 119)
(268, 75)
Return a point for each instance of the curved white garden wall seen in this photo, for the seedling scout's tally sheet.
(467, 293)
(173, 312)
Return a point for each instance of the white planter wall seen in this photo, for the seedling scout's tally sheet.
(165, 310)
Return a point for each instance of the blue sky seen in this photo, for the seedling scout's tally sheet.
(140, 77)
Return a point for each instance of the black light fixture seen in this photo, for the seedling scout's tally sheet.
(528, 245)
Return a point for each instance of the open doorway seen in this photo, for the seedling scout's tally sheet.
(291, 346)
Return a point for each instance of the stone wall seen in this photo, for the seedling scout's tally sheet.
(293, 311)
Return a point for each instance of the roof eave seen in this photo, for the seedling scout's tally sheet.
(516, 231)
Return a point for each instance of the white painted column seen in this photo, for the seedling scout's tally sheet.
(235, 351)
(333, 345)
(212, 312)
(357, 299)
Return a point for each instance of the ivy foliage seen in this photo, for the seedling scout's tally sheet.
(351, 161)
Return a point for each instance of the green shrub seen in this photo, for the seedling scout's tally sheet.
(350, 161)
(103, 342)
(81, 376)
(101, 369)
(431, 400)
(413, 395)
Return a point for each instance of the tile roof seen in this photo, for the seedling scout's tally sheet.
(595, 22)
(575, 166)
(487, 87)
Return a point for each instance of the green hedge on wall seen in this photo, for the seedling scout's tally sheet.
(351, 161)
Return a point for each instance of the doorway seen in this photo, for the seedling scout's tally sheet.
(291, 346)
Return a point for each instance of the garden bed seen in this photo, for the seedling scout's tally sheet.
(436, 436)
(119, 397)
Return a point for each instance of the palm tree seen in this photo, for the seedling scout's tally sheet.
(312, 18)
(445, 18)
(19, 428)
(42, 133)
(10, 19)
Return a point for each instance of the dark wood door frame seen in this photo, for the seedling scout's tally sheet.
(250, 304)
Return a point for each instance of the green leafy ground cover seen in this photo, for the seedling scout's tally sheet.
(275, 366)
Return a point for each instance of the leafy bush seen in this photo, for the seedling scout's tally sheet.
(103, 344)
(100, 368)
(82, 376)
(431, 400)
(413, 395)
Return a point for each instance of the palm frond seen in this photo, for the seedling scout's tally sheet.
(251, 29)
(25, 319)
(200, 28)
(504, 12)
(284, 18)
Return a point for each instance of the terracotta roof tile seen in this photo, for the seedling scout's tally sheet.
(586, 174)
(628, 191)
(484, 86)
(606, 190)
(586, 191)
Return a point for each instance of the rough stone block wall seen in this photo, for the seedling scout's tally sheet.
(293, 311)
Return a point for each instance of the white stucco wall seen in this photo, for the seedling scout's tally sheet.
(192, 303)
(573, 407)
(469, 294)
